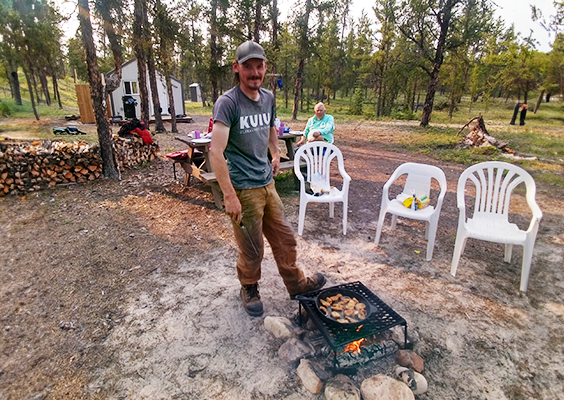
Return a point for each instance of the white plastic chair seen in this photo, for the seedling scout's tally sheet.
(494, 182)
(419, 182)
(317, 157)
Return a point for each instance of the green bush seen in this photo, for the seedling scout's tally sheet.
(356, 106)
(404, 114)
(5, 109)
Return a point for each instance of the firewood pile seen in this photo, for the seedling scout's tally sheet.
(130, 150)
(479, 136)
(31, 166)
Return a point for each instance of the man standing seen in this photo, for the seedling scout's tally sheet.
(243, 132)
(319, 127)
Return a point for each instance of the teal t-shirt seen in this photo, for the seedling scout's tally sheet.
(325, 126)
(249, 125)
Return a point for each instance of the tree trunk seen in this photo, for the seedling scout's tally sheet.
(139, 10)
(258, 18)
(430, 97)
(97, 92)
(273, 81)
(539, 100)
(286, 88)
(413, 95)
(114, 80)
(214, 54)
(56, 91)
(159, 126)
(171, 101)
(45, 88)
(15, 83)
(34, 82)
(203, 92)
(515, 113)
(298, 89)
(9, 79)
(27, 78)
(437, 62)
(303, 24)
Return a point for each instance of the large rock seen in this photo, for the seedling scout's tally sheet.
(382, 387)
(414, 380)
(294, 349)
(309, 376)
(406, 376)
(422, 385)
(280, 327)
(409, 359)
(341, 387)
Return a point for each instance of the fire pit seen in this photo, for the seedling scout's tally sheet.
(345, 340)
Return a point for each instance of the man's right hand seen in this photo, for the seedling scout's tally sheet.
(232, 204)
(233, 208)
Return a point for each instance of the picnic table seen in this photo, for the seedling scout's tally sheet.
(204, 172)
(289, 139)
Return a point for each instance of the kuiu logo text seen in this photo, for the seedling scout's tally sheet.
(248, 121)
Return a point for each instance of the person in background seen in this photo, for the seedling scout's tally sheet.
(523, 114)
(243, 132)
(319, 127)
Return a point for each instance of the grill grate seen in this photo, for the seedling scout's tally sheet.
(383, 318)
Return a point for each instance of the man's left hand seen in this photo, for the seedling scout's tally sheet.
(275, 166)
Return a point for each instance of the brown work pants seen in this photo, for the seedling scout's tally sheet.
(263, 213)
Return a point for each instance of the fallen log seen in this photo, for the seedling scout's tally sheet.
(478, 136)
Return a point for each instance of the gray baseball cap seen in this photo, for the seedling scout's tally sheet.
(249, 50)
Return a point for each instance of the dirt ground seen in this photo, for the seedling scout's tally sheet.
(128, 290)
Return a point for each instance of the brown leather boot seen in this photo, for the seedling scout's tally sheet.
(251, 300)
(314, 282)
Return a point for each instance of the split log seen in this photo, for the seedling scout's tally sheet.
(479, 136)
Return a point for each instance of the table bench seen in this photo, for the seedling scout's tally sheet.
(210, 179)
(204, 173)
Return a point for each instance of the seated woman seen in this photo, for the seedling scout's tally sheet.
(319, 127)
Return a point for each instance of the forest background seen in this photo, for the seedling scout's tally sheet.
(390, 62)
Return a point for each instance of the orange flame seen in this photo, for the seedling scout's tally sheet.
(354, 346)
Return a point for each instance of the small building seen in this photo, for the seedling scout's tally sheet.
(195, 93)
(125, 100)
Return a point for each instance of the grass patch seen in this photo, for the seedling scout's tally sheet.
(542, 136)
(286, 184)
(193, 108)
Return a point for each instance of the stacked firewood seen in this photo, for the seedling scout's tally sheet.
(32, 166)
(28, 167)
(130, 150)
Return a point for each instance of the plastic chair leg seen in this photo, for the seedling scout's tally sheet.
(458, 249)
(301, 218)
(394, 221)
(331, 210)
(508, 250)
(431, 233)
(526, 268)
(345, 213)
(381, 219)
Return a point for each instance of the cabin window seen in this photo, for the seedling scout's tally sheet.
(131, 87)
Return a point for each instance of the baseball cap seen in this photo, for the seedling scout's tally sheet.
(249, 50)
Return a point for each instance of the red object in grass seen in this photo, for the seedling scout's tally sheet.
(145, 135)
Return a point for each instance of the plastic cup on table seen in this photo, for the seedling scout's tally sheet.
(196, 134)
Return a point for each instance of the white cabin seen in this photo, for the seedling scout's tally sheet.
(125, 100)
